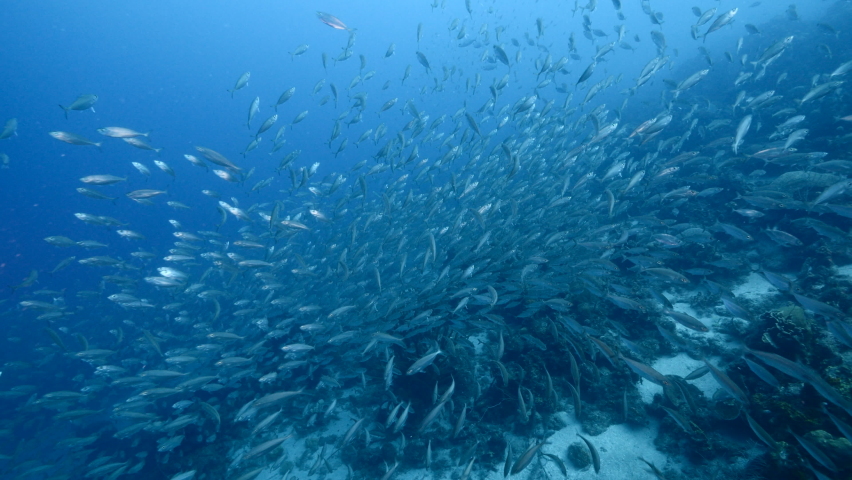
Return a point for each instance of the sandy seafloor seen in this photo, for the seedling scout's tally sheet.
(619, 446)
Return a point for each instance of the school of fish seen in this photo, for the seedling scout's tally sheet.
(436, 307)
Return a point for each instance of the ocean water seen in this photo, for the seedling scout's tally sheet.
(431, 236)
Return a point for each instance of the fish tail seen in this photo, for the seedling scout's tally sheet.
(66, 111)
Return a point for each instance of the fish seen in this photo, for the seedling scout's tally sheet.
(774, 50)
(195, 161)
(761, 433)
(241, 83)
(720, 21)
(423, 362)
(254, 109)
(820, 91)
(690, 81)
(460, 422)
(299, 118)
(526, 458)
(762, 373)
(264, 447)
(501, 55)
(646, 372)
(164, 167)
(818, 307)
(727, 384)
(430, 417)
(140, 144)
(815, 452)
(783, 238)
(735, 309)
(266, 125)
(705, 16)
(74, 139)
(121, 132)
(81, 103)
(389, 373)
(27, 282)
(332, 21)
(102, 179)
(9, 129)
(299, 51)
(189, 475)
(274, 398)
(842, 69)
(687, 321)
(94, 194)
(284, 97)
(390, 471)
(832, 191)
(844, 428)
(142, 168)
(388, 105)
(596, 459)
(742, 129)
(403, 417)
(587, 73)
(423, 61)
(218, 159)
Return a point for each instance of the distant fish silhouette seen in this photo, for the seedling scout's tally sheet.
(332, 21)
